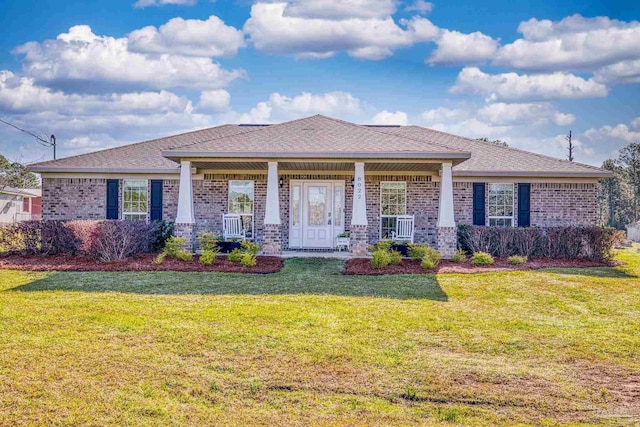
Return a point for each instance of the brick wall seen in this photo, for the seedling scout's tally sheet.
(74, 198)
(554, 204)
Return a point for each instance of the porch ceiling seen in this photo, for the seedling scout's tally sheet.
(319, 166)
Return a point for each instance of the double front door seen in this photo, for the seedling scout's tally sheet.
(316, 213)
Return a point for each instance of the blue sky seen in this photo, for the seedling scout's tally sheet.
(102, 74)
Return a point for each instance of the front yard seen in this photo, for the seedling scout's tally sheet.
(309, 345)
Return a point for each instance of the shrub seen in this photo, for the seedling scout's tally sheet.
(481, 258)
(161, 231)
(380, 258)
(235, 255)
(160, 258)
(517, 259)
(383, 245)
(427, 263)
(433, 255)
(417, 251)
(208, 257)
(174, 245)
(115, 240)
(395, 257)
(208, 241)
(183, 255)
(251, 247)
(459, 256)
(248, 259)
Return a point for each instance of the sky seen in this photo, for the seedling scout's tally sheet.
(99, 74)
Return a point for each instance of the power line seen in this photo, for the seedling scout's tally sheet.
(51, 142)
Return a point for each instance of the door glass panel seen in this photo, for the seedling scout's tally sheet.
(295, 205)
(317, 205)
(338, 204)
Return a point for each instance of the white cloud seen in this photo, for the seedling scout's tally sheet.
(635, 123)
(216, 101)
(420, 6)
(458, 48)
(189, 37)
(563, 119)
(272, 31)
(340, 9)
(388, 118)
(620, 132)
(530, 114)
(574, 43)
(620, 73)
(280, 107)
(515, 87)
(147, 3)
(81, 58)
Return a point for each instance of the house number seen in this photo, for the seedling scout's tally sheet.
(359, 188)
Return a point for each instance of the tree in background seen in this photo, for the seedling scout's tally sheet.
(629, 161)
(495, 141)
(14, 174)
(619, 196)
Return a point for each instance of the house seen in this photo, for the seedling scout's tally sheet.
(300, 184)
(19, 204)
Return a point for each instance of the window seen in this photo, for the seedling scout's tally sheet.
(501, 205)
(393, 202)
(241, 202)
(295, 205)
(134, 203)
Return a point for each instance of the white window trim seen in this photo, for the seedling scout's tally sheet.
(123, 212)
(406, 192)
(252, 214)
(513, 203)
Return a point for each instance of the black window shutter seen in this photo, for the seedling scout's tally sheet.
(478, 203)
(524, 205)
(112, 198)
(156, 200)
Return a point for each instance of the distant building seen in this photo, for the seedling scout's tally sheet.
(20, 204)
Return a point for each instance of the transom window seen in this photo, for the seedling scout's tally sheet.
(134, 199)
(241, 197)
(393, 202)
(501, 205)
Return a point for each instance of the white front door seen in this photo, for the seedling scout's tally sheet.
(317, 212)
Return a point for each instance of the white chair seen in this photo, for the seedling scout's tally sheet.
(404, 229)
(232, 227)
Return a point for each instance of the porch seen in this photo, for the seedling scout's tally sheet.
(310, 208)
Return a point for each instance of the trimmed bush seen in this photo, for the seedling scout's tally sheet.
(116, 240)
(174, 245)
(383, 245)
(208, 257)
(380, 258)
(571, 242)
(417, 251)
(161, 231)
(248, 259)
(459, 256)
(427, 263)
(433, 255)
(395, 258)
(183, 255)
(251, 247)
(481, 258)
(235, 255)
(517, 259)
(208, 241)
(160, 258)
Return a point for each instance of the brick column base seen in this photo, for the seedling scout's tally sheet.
(358, 240)
(188, 232)
(272, 240)
(447, 241)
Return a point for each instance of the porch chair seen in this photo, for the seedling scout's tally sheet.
(232, 227)
(404, 229)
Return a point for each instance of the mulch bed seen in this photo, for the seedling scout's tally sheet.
(144, 262)
(362, 266)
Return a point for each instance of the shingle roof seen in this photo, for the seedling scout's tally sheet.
(141, 157)
(489, 159)
(319, 137)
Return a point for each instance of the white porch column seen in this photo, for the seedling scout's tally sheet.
(445, 212)
(272, 234)
(447, 239)
(185, 213)
(272, 210)
(359, 215)
(358, 228)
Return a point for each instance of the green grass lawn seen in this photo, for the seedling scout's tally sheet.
(310, 346)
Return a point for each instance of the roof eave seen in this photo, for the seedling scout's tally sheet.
(67, 169)
(541, 174)
(175, 155)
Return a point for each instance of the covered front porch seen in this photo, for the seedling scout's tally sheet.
(307, 205)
